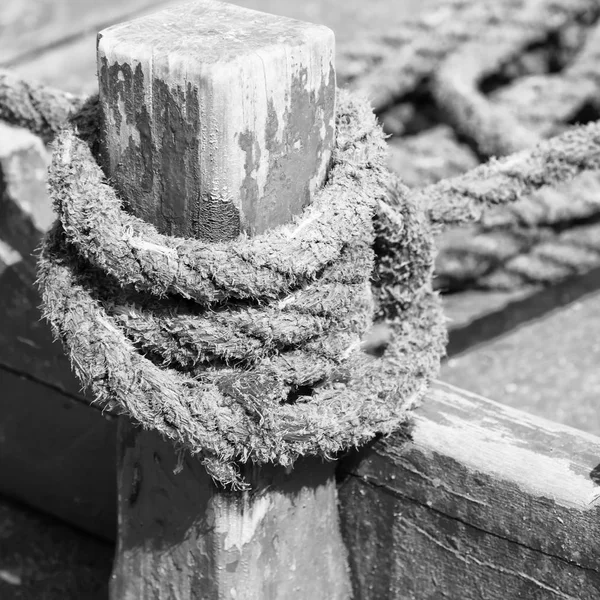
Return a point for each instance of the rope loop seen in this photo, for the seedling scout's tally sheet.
(319, 334)
(307, 339)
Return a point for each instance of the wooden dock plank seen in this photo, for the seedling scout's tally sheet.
(548, 366)
(476, 500)
(477, 316)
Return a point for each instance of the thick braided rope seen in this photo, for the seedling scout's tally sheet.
(430, 156)
(393, 63)
(466, 256)
(216, 361)
(502, 181)
(545, 103)
(517, 116)
(509, 231)
(416, 56)
(40, 109)
(507, 238)
(566, 254)
(206, 343)
(495, 130)
(577, 200)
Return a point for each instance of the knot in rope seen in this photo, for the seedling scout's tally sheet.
(305, 340)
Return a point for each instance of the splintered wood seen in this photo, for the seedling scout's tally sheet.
(218, 119)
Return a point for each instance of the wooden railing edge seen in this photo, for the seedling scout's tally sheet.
(474, 496)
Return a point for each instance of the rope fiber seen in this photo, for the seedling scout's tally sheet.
(318, 335)
(210, 344)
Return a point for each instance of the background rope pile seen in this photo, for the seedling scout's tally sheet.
(472, 80)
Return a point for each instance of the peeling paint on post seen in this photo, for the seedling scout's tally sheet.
(199, 78)
(218, 121)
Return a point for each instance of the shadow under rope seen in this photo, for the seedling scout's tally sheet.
(27, 347)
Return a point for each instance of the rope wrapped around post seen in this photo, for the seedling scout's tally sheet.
(253, 349)
(486, 79)
(306, 340)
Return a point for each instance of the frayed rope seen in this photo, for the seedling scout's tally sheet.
(306, 340)
(258, 349)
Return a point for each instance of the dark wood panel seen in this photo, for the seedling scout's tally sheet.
(57, 455)
(45, 559)
(477, 500)
(26, 343)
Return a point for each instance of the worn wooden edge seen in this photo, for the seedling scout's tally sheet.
(474, 496)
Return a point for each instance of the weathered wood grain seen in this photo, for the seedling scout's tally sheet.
(219, 121)
(548, 367)
(477, 500)
(180, 537)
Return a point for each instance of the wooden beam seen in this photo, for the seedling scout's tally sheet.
(476, 316)
(477, 500)
(219, 120)
(181, 537)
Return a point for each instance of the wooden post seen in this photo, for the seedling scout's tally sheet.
(218, 121)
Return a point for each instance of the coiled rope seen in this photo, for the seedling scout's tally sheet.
(212, 344)
(308, 339)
